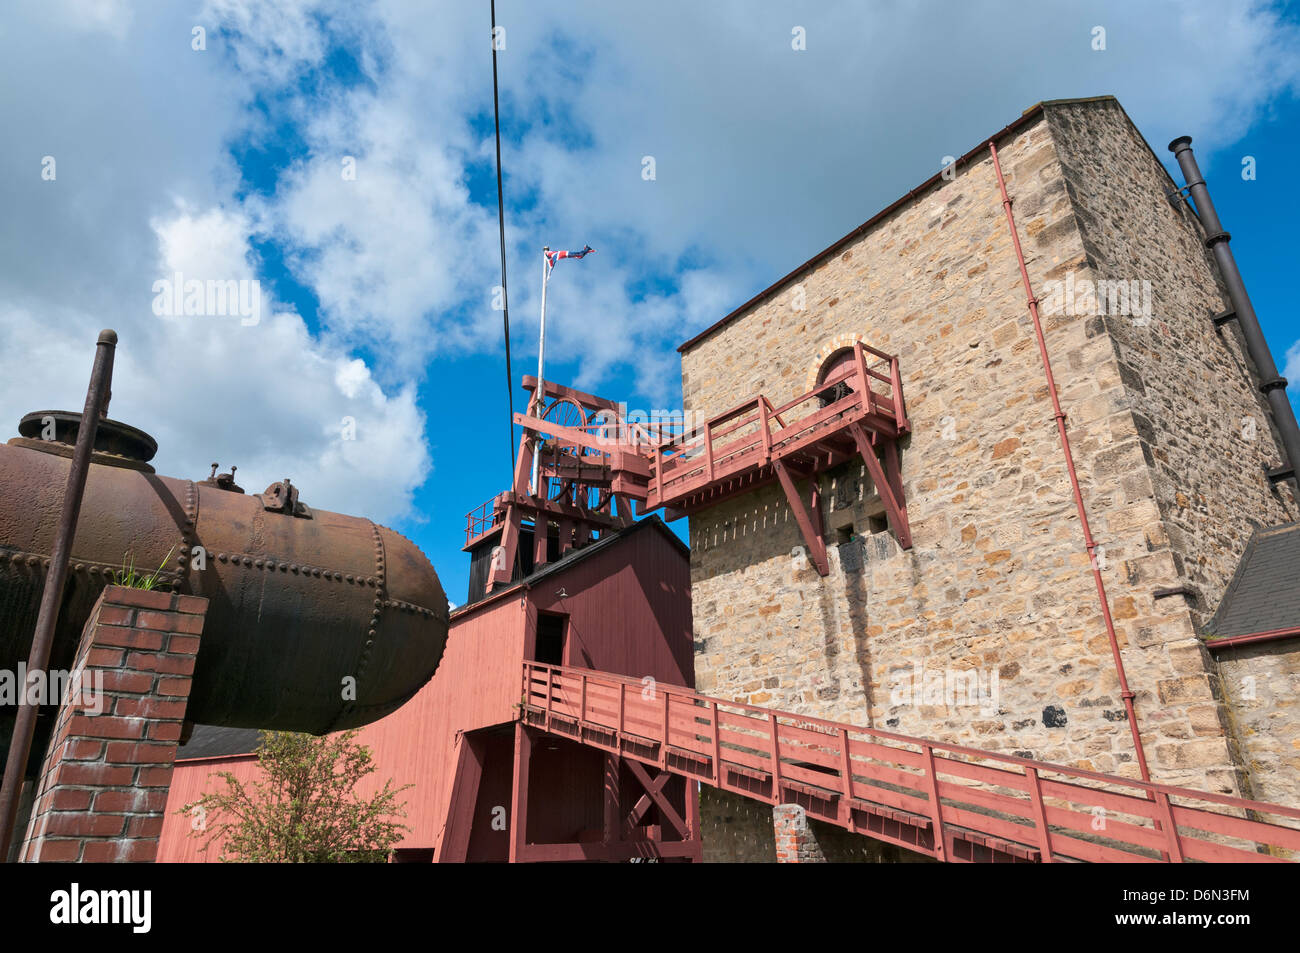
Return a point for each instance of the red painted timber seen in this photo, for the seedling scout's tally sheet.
(904, 790)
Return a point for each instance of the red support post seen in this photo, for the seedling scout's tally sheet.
(622, 708)
(1040, 816)
(846, 775)
(717, 746)
(868, 397)
(550, 677)
(896, 382)
(663, 745)
(540, 532)
(519, 795)
(1171, 829)
(776, 757)
(936, 808)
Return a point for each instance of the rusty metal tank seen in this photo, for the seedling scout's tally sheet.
(316, 621)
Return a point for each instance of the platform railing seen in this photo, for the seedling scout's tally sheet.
(929, 791)
(480, 519)
(755, 431)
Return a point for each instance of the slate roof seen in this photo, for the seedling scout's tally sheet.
(1265, 591)
(209, 741)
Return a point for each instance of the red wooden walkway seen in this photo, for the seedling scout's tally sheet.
(950, 802)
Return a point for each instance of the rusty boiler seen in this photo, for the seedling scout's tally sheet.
(316, 621)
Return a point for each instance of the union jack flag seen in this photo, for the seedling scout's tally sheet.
(553, 256)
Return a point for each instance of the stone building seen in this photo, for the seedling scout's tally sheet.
(988, 631)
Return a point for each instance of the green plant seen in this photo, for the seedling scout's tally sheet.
(130, 579)
(302, 806)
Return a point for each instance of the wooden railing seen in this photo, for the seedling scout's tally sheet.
(929, 796)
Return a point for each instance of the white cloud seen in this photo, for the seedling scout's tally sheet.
(145, 188)
(763, 154)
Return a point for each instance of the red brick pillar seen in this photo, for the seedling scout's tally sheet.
(108, 767)
(795, 841)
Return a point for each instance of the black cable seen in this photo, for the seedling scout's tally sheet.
(505, 295)
(501, 227)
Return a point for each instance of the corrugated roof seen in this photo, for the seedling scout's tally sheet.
(1028, 116)
(1264, 594)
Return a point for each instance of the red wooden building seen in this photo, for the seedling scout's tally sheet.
(620, 604)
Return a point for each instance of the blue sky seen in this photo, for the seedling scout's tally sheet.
(225, 161)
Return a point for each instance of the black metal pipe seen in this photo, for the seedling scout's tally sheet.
(20, 745)
(1272, 384)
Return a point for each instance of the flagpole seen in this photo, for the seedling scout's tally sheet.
(541, 363)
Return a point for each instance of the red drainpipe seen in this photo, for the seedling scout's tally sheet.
(1125, 692)
(1250, 639)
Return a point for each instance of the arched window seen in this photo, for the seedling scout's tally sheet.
(836, 363)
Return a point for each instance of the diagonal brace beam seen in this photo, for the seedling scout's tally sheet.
(889, 486)
(808, 524)
(654, 791)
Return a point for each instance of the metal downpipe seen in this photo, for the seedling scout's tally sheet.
(1059, 415)
(20, 745)
(1272, 384)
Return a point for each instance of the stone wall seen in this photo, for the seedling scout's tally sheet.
(1200, 419)
(997, 592)
(737, 830)
(1261, 683)
(734, 829)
